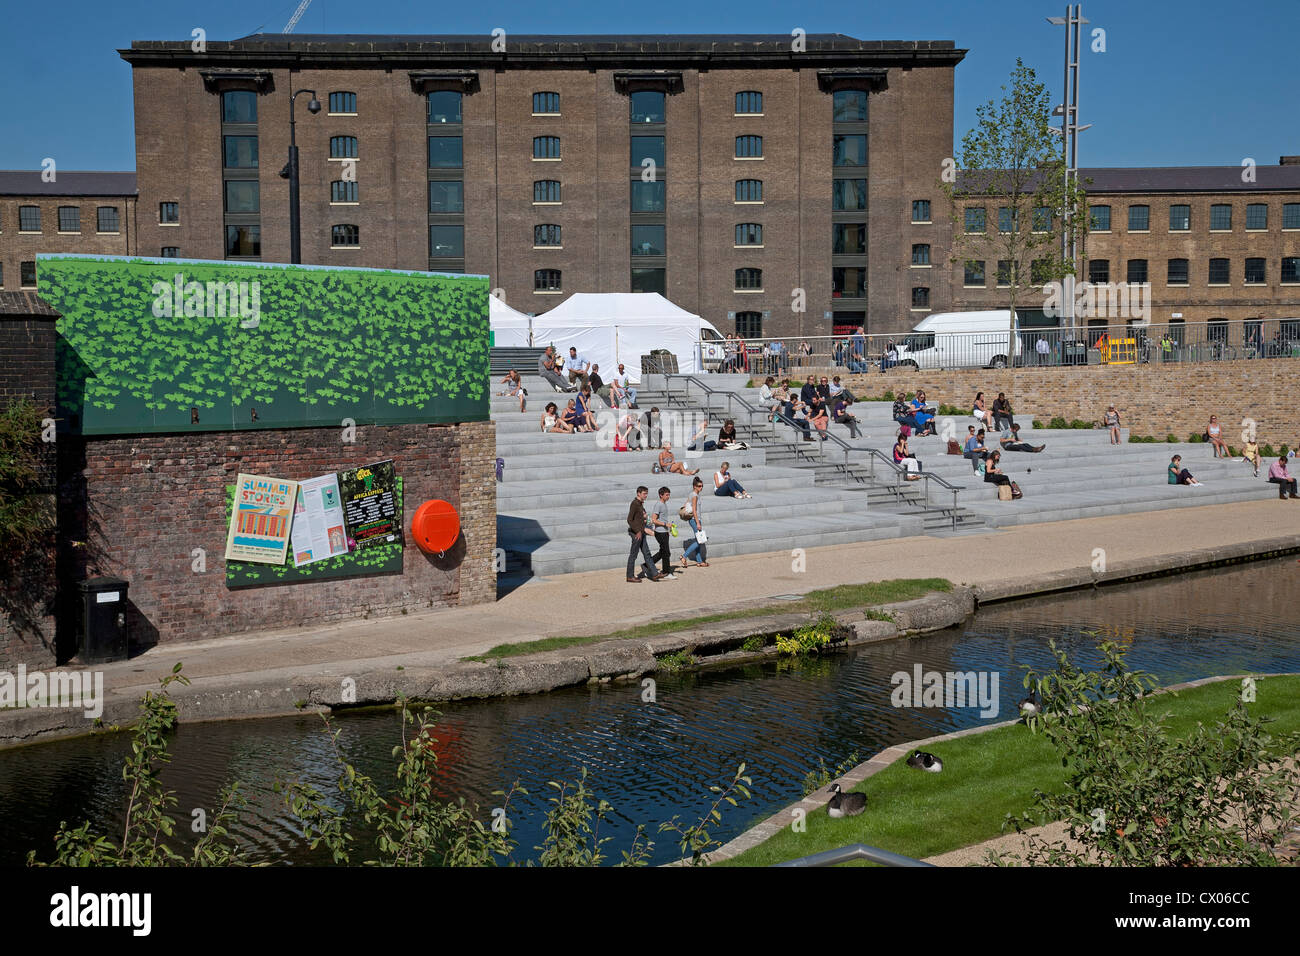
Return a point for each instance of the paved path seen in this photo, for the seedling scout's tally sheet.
(999, 563)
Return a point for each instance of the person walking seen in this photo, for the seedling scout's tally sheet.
(661, 524)
(1111, 421)
(636, 523)
(691, 512)
(1279, 476)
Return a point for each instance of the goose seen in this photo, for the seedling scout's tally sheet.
(925, 761)
(1031, 706)
(845, 804)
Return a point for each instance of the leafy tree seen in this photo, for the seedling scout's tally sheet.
(1137, 794)
(1012, 167)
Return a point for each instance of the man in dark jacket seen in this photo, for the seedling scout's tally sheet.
(636, 521)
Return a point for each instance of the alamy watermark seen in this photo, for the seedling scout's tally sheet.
(923, 688)
(1103, 300)
(213, 300)
(26, 688)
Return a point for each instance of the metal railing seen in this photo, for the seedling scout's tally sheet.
(1099, 342)
(874, 454)
(855, 851)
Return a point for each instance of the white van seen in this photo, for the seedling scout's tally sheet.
(960, 340)
(713, 349)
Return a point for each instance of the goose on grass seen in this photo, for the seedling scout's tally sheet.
(922, 760)
(845, 804)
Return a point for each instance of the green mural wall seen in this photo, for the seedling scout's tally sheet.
(148, 345)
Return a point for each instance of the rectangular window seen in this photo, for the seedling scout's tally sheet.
(1257, 215)
(29, 218)
(749, 325)
(920, 210)
(242, 195)
(27, 275)
(975, 216)
(446, 242)
(169, 212)
(749, 190)
(343, 102)
(1098, 271)
(1042, 221)
(108, 219)
(443, 106)
(848, 238)
(447, 196)
(345, 235)
(921, 254)
(546, 147)
(1255, 273)
(546, 190)
(1006, 219)
(650, 280)
(1220, 216)
(647, 106)
(343, 147)
(850, 150)
(749, 101)
(170, 252)
(547, 280)
(445, 152)
(648, 147)
(1007, 269)
(749, 147)
(920, 298)
(1139, 218)
(240, 152)
(1220, 273)
(1040, 270)
(1180, 218)
(243, 241)
(850, 106)
(849, 282)
(648, 240)
(1291, 215)
(1217, 330)
(848, 194)
(546, 104)
(343, 190)
(1100, 221)
(1178, 272)
(239, 107)
(1291, 269)
(749, 234)
(749, 279)
(1137, 270)
(974, 273)
(648, 197)
(547, 234)
(69, 219)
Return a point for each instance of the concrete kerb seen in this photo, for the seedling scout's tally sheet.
(761, 832)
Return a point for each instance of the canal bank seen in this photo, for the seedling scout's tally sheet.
(420, 655)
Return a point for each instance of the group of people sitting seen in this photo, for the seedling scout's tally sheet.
(574, 374)
(818, 404)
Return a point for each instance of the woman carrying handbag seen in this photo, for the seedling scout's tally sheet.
(690, 512)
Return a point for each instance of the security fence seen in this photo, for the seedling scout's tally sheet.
(1097, 343)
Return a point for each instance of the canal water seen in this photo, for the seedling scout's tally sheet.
(654, 760)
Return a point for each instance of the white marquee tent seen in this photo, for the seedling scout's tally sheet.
(509, 327)
(612, 327)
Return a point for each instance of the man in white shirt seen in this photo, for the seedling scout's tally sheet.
(577, 367)
(621, 393)
(1042, 348)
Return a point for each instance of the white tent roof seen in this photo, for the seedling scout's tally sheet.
(617, 308)
(501, 316)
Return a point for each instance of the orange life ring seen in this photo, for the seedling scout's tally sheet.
(435, 526)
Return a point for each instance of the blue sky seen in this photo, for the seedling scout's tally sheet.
(1190, 83)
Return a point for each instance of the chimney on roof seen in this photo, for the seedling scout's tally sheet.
(1289, 161)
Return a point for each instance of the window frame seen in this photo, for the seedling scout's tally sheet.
(916, 247)
(928, 212)
(753, 319)
(164, 254)
(446, 212)
(40, 220)
(350, 190)
(428, 108)
(22, 274)
(1146, 217)
(749, 139)
(862, 193)
(657, 249)
(1216, 208)
(1262, 264)
(176, 209)
(74, 212)
(922, 306)
(428, 147)
(1170, 276)
(351, 231)
(546, 191)
(548, 235)
(544, 94)
(969, 283)
(1290, 216)
(1093, 269)
(755, 202)
(542, 144)
(754, 229)
(542, 283)
(434, 254)
(117, 221)
(331, 111)
(1092, 217)
(745, 97)
(981, 215)
(1187, 222)
(1227, 272)
(1254, 207)
(343, 140)
(1294, 272)
(748, 279)
(1136, 265)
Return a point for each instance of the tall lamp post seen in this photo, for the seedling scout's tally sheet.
(290, 172)
(1070, 128)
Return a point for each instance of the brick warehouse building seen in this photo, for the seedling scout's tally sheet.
(773, 170)
(1215, 248)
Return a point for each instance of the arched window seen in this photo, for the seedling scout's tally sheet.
(749, 101)
(749, 147)
(546, 234)
(546, 104)
(749, 190)
(749, 234)
(343, 190)
(343, 147)
(546, 190)
(546, 147)
(546, 280)
(343, 102)
(345, 235)
(749, 279)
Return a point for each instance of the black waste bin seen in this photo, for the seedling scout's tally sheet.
(102, 635)
(1074, 353)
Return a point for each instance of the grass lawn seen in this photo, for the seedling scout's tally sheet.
(827, 600)
(985, 777)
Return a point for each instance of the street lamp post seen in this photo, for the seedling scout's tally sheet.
(290, 172)
(1070, 128)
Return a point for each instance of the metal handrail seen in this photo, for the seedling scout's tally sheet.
(875, 453)
(855, 851)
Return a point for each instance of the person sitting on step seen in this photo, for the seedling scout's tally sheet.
(1012, 442)
(1279, 476)
(724, 484)
(668, 463)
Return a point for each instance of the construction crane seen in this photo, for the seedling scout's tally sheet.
(297, 15)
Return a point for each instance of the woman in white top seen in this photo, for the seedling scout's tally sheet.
(691, 511)
(552, 422)
(979, 411)
(724, 484)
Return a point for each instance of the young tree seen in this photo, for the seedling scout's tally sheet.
(1012, 164)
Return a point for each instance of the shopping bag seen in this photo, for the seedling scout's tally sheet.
(701, 537)
(1004, 492)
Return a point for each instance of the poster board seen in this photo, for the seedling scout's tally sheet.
(318, 530)
(261, 518)
(370, 504)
